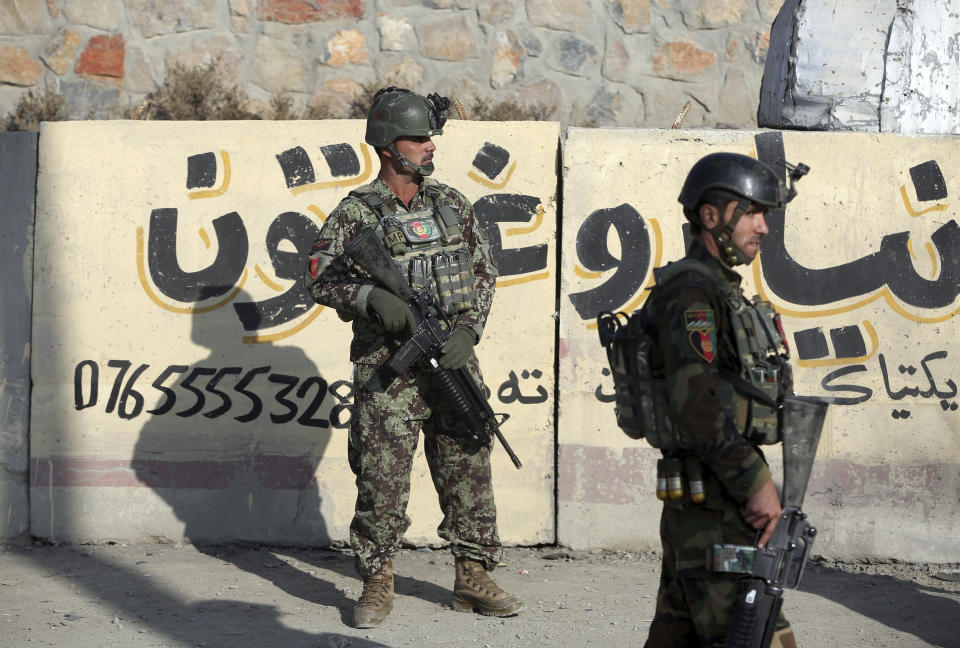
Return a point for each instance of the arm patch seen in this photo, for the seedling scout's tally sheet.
(318, 260)
(702, 332)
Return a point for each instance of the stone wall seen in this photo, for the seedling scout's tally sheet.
(629, 63)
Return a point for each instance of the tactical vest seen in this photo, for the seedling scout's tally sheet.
(636, 362)
(428, 247)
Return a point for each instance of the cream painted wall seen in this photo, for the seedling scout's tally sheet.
(863, 270)
(170, 255)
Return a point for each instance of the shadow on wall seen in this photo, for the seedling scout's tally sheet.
(903, 605)
(231, 459)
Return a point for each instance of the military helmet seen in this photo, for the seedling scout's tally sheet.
(738, 174)
(398, 112)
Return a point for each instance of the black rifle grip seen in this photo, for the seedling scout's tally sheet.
(743, 623)
(755, 614)
(404, 357)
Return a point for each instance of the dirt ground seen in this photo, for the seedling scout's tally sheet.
(238, 597)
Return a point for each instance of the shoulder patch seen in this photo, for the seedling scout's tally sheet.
(701, 332)
(318, 258)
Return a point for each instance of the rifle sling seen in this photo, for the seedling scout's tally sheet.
(745, 387)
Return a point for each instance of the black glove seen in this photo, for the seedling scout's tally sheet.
(457, 349)
(390, 311)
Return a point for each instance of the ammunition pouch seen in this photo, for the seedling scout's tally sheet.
(764, 420)
(429, 249)
(453, 274)
(445, 274)
(765, 374)
(760, 422)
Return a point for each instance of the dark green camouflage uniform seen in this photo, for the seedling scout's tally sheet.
(694, 605)
(388, 415)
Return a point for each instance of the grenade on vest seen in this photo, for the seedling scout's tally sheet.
(662, 481)
(675, 479)
(670, 475)
(698, 495)
(421, 274)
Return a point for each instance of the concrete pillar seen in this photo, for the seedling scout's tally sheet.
(18, 177)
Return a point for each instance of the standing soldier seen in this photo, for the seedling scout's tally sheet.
(718, 369)
(432, 233)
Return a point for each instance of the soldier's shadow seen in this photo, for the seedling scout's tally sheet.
(403, 585)
(211, 622)
(319, 590)
(919, 610)
(290, 579)
(233, 447)
(234, 444)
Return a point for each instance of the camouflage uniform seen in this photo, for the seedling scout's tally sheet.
(694, 605)
(388, 414)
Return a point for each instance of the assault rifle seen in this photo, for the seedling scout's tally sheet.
(780, 564)
(457, 385)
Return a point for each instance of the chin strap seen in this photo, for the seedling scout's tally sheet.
(723, 235)
(420, 169)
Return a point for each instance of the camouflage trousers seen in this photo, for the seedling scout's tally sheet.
(694, 605)
(385, 427)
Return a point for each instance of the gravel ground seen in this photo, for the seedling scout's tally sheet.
(103, 596)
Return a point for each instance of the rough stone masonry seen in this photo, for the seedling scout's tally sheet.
(632, 63)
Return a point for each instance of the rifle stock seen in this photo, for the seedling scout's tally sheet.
(781, 563)
(367, 252)
(457, 386)
(802, 424)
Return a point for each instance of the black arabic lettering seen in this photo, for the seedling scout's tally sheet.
(604, 398)
(214, 280)
(510, 208)
(509, 390)
(594, 255)
(827, 385)
(491, 160)
(541, 396)
(302, 232)
(891, 265)
(233, 245)
(943, 395)
(298, 169)
(901, 394)
(933, 390)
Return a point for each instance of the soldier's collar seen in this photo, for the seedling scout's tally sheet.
(699, 252)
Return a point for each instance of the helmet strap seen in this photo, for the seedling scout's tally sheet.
(419, 169)
(723, 235)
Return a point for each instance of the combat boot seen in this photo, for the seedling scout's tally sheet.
(376, 601)
(475, 591)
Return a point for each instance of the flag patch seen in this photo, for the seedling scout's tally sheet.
(702, 333)
(318, 258)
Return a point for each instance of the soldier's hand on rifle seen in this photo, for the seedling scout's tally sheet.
(393, 313)
(762, 511)
(457, 349)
